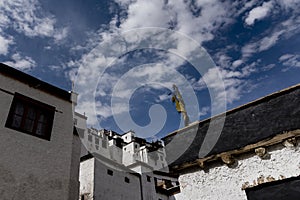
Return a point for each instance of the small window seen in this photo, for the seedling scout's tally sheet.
(96, 140)
(104, 144)
(287, 189)
(148, 178)
(90, 138)
(30, 116)
(127, 180)
(136, 146)
(110, 172)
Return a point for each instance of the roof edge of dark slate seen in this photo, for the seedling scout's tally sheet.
(242, 107)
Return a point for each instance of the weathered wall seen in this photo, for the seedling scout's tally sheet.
(86, 178)
(31, 167)
(221, 182)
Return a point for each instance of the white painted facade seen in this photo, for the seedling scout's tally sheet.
(126, 156)
(221, 182)
(31, 167)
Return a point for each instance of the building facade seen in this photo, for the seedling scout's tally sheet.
(115, 166)
(39, 150)
(256, 157)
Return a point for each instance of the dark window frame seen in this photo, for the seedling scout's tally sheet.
(35, 116)
(148, 178)
(110, 172)
(287, 188)
(127, 180)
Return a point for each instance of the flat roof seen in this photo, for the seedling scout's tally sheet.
(34, 82)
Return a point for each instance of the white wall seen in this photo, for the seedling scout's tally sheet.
(222, 182)
(109, 187)
(31, 167)
(127, 137)
(86, 178)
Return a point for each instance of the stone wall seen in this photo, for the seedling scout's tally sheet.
(220, 182)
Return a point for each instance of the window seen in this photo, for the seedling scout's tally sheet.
(148, 178)
(104, 144)
(96, 140)
(127, 180)
(90, 138)
(110, 172)
(287, 189)
(30, 116)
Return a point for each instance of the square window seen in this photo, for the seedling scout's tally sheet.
(149, 178)
(30, 116)
(127, 180)
(110, 172)
(161, 158)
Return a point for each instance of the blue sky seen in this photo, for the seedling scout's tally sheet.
(252, 46)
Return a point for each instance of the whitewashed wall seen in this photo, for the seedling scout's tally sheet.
(31, 167)
(222, 183)
(86, 178)
(113, 187)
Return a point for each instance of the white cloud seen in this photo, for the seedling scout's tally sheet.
(259, 13)
(22, 63)
(213, 16)
(141, 13)
(5, 42)
(268, 42)
(144, 13)
(290, 61)
(27, 17)
(237, 63)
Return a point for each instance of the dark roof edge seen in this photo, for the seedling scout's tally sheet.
(247, 105)
(34, 82)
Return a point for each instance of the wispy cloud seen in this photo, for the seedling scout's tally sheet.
(277, 32)
(28, 18)
(200, 20)
(21, 62)
(290, 61)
